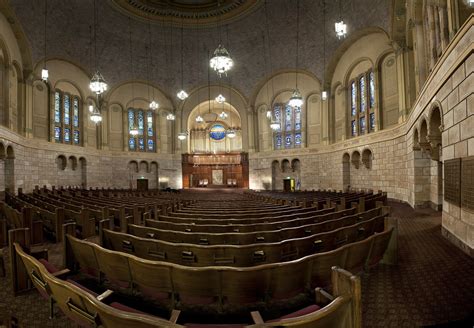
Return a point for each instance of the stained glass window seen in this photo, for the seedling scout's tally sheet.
(372, 121)
(298, 139)
(151, 145)
(57, 134)
(289, 134)
(150, 124)
(353, 99)
(371, 90)
(141, 123)
(142, 120)
(288, 118)
(353, 128)
(67, 109)
(278, 141)
(131, 143)
(67, 118)
(298, 119)
(363, 95)
(76, 137)
(288, 141)
(67, 135)
(141, 144)
(76, 112)
(362, 125)
(57, 107)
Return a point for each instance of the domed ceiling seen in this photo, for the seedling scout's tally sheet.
(187, 12)
(243, 30)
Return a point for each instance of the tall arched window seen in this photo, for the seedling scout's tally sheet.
(289, 133)
(362, 104)
(67, 127)
(144, 122)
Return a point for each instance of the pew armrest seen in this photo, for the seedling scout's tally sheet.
(61, 273)
(256, 317)
(174, 316)
(322, 297)
(104, 295)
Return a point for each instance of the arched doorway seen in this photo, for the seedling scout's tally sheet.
(346, 171)
(83, 166)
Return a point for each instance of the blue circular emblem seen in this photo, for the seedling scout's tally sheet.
(217, 132)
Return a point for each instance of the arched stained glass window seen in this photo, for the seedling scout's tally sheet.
(362, 104)
(67, 127)
(144, 121)
(290, 133)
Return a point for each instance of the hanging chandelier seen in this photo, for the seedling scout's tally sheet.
(324, 95)
(296, 100)
(275, 126)
(231, 133)
(182, 95)
(470, 3)
(98, 83)
(91, 108)
(223, 115)
(154, 105)
(340, 27)
(220, 99)
(269, 114)
(182, 136)
(95, 116)
(44, 71)
(199, 119)
(170, 117)
(221, 62)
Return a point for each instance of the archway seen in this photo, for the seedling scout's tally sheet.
(275, 174)
(10, 169)
(435, 141)
(83, 166)
(296, 167)
(346, 171)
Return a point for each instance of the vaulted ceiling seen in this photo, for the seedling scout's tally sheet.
(242, 31)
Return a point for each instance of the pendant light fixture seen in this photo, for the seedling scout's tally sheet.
(274, 123)
(470, 3)
(324, 93)
(134, 130)
(220, 99)
(44, 71)
(182, 136)
(340, 26)
(296, 99)
(221, 62)
(182, 95)
(170, 117)
(153, 103)
(98, 83)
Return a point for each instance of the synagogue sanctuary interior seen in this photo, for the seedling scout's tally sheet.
(236, 163)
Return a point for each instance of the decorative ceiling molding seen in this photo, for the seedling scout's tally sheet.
(186, 12)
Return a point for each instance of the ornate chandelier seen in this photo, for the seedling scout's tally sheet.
(220, 99)
(98, 83)
(221, 62)
(199, 119)
(44, 71)
(296, 100)
(95, 116)
(44, 74)
(170, 117)
(223, 115)
(340, 27)
(182, 136)
(182, 95)
(154, 105)
(230, 133)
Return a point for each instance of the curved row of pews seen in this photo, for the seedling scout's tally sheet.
(150, 259)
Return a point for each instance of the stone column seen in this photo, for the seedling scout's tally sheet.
(125, 129)
(28, 112)
(402, 80)
(431, 36)
(443, 27)
(324, 121)
(453, 17)
(437, 32)
(420, 57)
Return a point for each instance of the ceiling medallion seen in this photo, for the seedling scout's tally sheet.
(187, 12)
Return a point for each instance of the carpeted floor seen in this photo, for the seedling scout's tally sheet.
(432, 285)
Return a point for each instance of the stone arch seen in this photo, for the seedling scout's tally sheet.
(154, 167)
(424, 135)
(435, 127)
(355, 159)
(144, 167)
(83, 166)
(416, 140)
(10, 152)
(61, 162)
(296, 165)
(133, 166)
(2, 151)
(285, 166)
(346, 171)
(367, 157)
(72, 162)
(275, 173)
